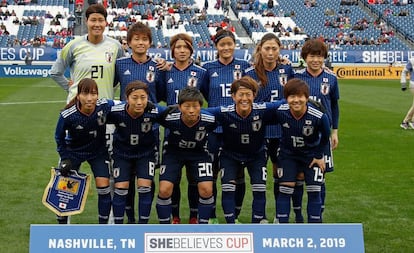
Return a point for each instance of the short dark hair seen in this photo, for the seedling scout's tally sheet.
(96, 8)
(315, 47)
(139, 28)
(296, 86)
(223, 33)
(190, 94)
(136, 85)
(246, 82)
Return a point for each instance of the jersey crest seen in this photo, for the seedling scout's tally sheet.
(283, 79)
(146, 127)
(325, 87)
(256, 125)
(307, 129)
(109, 56)
(237, 74)
(199, 135)
(101, 118)
(150, 76)
(192, 81)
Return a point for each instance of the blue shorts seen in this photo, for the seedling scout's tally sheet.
(290, 166)
(214, 143)
(99, 165)
(273, 149)
(328, 156)
(256, 167)
(198, 164)
(144, 167)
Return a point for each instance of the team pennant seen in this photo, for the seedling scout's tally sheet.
(66, 195)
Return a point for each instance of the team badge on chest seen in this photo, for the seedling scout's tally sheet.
(146, 126)
(325, 87)
(256, 125)
(101, 119)
(199, 136)
(237, 74)
(192, 80)
(283, 79)
(109, 56)
(307, 129)
(150, 76)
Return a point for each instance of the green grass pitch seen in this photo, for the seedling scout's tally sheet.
(372, 183)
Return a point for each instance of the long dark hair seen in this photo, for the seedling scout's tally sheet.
(258, 61)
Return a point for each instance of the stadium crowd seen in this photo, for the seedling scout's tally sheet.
(177, 15)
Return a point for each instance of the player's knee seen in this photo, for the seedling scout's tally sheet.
(300, 176)
(124, 184)
(205, 192)
(165, 190)
(102, 182)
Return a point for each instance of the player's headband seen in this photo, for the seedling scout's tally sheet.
(224, 35)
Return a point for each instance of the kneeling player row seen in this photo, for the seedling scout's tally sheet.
(80, 137)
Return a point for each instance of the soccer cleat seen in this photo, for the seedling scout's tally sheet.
(404, 125)
(275, 221)
(193, 220)
(213, 221)
(176, 220)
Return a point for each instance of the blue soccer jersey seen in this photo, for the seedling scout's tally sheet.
(221, 76)
(183, 138)
(82, 137)
(171, 82)
(243, 138)
(128, 70)
(133, 137)
(272, 91)
(324, 89)
(306, 136)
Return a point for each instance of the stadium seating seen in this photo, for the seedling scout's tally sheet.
(30, 31)
(310, 20)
